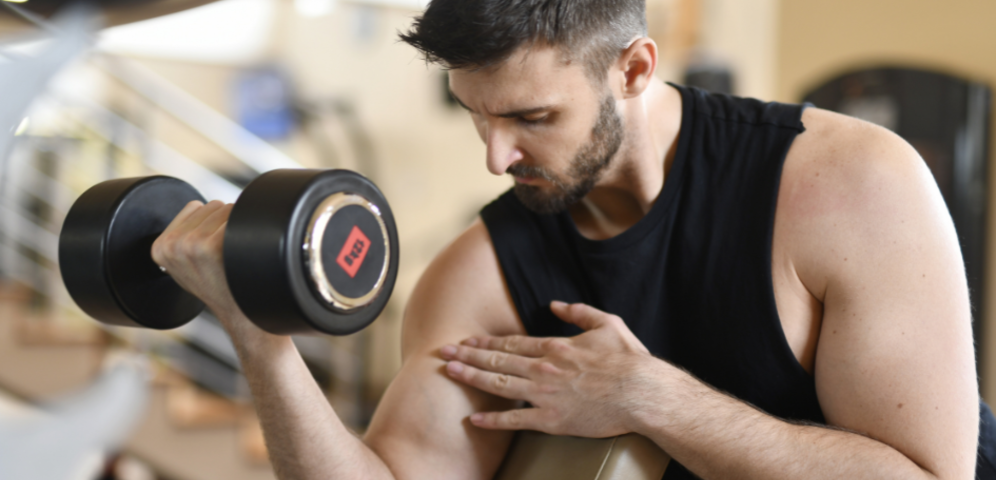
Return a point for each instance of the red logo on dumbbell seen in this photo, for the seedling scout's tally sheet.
(353, 252)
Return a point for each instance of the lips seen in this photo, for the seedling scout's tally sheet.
(526, 175)
(525, 180)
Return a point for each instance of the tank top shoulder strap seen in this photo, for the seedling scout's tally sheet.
(748, 111)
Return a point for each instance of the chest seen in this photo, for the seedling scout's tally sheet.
(799, 314)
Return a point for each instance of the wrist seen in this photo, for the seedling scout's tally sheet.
(654, 396)
(249, 339)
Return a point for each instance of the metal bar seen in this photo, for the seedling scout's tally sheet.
(159, 156)
(21, 229)
(31, 180)
(230, 136)
(32, 18)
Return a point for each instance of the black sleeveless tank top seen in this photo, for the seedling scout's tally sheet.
(692, 279)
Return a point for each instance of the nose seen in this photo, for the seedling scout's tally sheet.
(502, 149)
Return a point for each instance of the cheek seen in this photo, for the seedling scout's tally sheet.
(555, 145)
(552, 155)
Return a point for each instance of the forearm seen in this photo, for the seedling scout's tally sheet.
(717, 436)
(304, 436)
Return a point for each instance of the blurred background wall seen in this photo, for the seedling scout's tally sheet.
(337, 90)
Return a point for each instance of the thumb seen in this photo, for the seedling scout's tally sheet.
(580, 314)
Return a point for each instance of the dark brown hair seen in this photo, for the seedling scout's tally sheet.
(459, 34)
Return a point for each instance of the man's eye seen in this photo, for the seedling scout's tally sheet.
(532, 120)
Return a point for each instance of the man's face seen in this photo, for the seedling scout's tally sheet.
(544, 124)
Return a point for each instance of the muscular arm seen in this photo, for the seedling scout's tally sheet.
(418, 430)
(304, 436)
(870, 237)
(867, 235)
(421, 423)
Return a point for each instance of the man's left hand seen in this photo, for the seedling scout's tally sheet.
(585, 386)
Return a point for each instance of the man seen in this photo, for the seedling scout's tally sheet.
(846, 304)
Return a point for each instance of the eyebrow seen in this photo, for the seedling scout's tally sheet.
(525, 112)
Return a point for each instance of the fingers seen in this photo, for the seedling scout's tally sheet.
(519, 419)
(500, 384)
(197, 217)
(216, 219)
(490, 360)
(203, 219)
(516, 344)
(582, 315)
(188, 210)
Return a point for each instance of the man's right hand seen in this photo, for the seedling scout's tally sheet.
(190, 249)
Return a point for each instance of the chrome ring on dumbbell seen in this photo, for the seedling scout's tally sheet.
(346, 295)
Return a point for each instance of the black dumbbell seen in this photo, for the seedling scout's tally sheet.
(305, 251)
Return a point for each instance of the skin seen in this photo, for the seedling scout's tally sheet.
(868, 282)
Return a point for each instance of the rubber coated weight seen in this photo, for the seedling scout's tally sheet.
(105, 253)
(294, 261)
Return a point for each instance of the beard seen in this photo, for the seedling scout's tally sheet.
(589, 163)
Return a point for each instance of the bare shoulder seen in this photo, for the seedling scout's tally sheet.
(845, 183)
(462, 290)
(420, 428)
(845, 155)
(869, 235)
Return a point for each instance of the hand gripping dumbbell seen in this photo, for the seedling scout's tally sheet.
(304, 251)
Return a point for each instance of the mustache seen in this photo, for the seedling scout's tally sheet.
(517, 170)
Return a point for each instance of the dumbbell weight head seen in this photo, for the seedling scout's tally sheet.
(311, 251)
(105, 253)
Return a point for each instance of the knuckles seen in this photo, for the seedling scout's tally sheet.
(500, 382)
(192, 246)
(165, 249)
(497, 359)
(553, 421)
(547, 389)
(545, 368)
(616, 321)
(514, 418)
(577, 309)
(511, 344)
(555, 345)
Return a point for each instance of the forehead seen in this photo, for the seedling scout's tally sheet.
(531, 74)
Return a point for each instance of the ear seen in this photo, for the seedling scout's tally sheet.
(637, 64)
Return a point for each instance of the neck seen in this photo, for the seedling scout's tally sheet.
(630, 186)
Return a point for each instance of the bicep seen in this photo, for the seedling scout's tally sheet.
(895, 355)
(420, 428)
